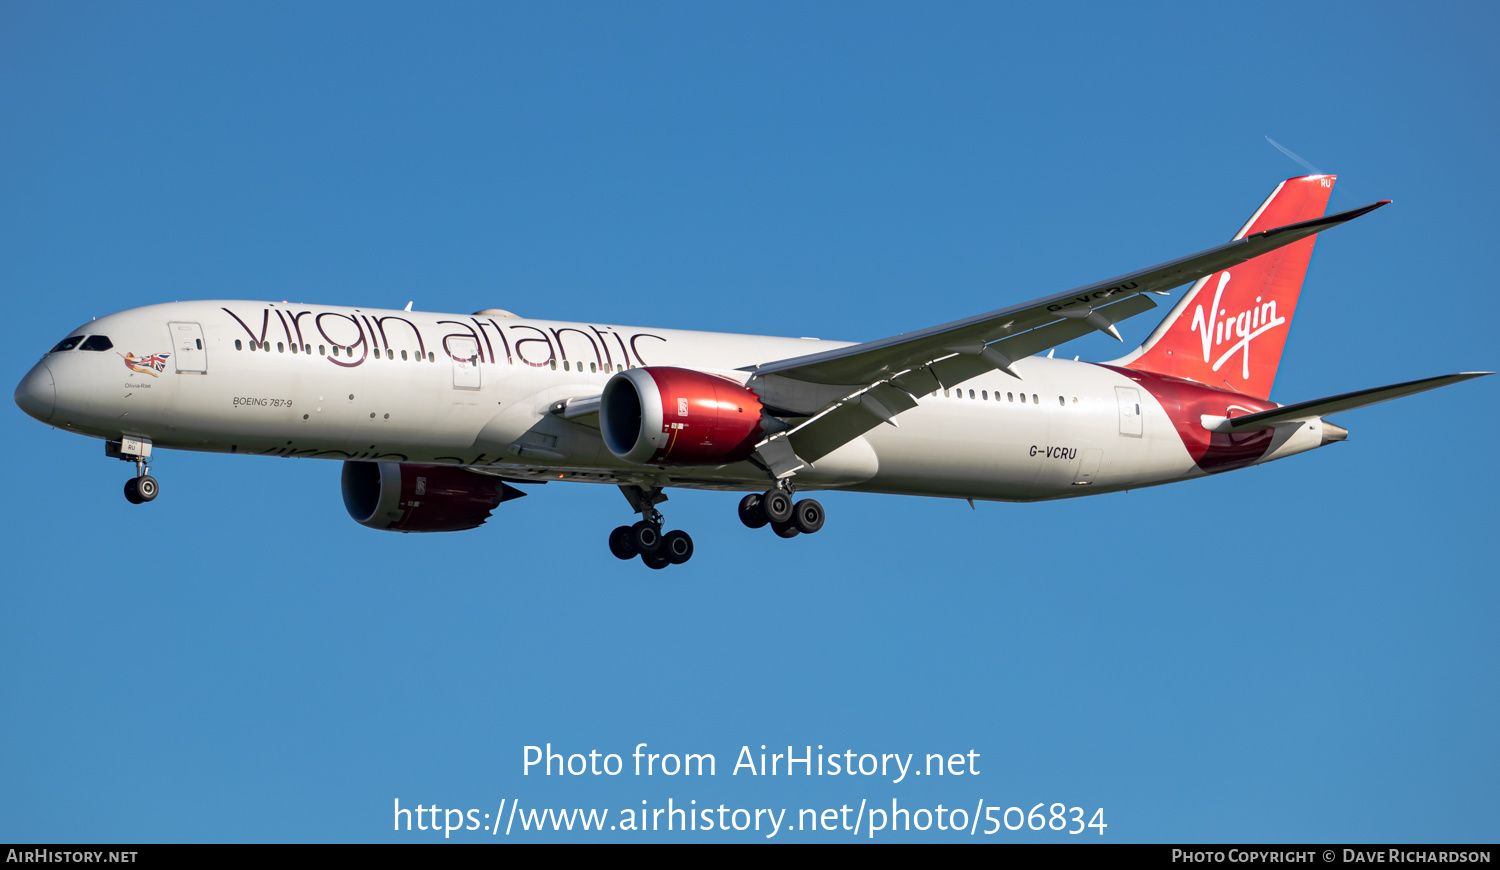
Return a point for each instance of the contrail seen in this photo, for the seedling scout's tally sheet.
(1308, 166)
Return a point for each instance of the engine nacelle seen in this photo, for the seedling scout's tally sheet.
(660, 415)
(397, 497)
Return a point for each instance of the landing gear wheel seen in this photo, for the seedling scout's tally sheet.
(676, 546)
(777, 506)
(146, 488)
(808, 516)
(645, 536)
(751, 513)
(620, 543)
(786, 530)
(132, 494)
(655, 561)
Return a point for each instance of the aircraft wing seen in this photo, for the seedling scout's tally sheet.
(846, 392)
(874, 360)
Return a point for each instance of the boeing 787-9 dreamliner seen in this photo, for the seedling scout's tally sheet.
(435, 415)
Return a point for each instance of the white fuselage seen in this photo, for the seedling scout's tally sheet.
(479, 390)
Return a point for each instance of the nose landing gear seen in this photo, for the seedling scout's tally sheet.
(139, 490)
(143, 487)
(786, 518)
(645, 538)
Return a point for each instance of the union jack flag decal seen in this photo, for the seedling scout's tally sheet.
(152, 365)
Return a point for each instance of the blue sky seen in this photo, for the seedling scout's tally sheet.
(1301, 652)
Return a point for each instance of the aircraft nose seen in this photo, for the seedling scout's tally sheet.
(36, 394)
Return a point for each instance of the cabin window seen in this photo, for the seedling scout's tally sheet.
(265, 346)
(237, 345)
(1035, 400)
(1061, 402)
(294, 348)
(199, 342)
(322, 350)
(1010, 397)
(971, 394)
(307, 349)
(945, 393)
(280, 348)
(565, 365)
(1023, 398)
(985, 395)
(390, 354)
(431, 357)
(403, 356)
(335, 350)
(554, 365)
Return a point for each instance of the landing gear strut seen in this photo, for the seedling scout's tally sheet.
(775, 508)
(645, 539)
(143, 487)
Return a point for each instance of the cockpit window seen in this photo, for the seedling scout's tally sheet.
(67, 344)
(97, 342)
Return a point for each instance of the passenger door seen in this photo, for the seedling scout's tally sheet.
(187, 348)
(465, 353)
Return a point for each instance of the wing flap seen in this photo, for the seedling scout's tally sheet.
(864, 408)
(848, 420)
(972, 362)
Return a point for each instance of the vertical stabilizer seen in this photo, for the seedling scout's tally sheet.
(1230, 328)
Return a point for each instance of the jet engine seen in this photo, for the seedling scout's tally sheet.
(400, 497)
(660, 415)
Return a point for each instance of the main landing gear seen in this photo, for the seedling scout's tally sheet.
(786, 518)
(645, 538)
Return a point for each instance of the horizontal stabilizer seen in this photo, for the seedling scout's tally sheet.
(1333, 404)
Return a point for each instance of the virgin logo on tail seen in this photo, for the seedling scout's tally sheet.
(1228, 326)
(1215, 329)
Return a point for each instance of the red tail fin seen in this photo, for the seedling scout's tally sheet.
(1230, 328)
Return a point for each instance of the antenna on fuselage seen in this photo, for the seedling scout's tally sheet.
(408, 306)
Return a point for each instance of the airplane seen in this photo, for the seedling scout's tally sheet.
(435, 416)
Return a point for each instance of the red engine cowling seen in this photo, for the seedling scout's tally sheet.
(397, 497)
(669, 416)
